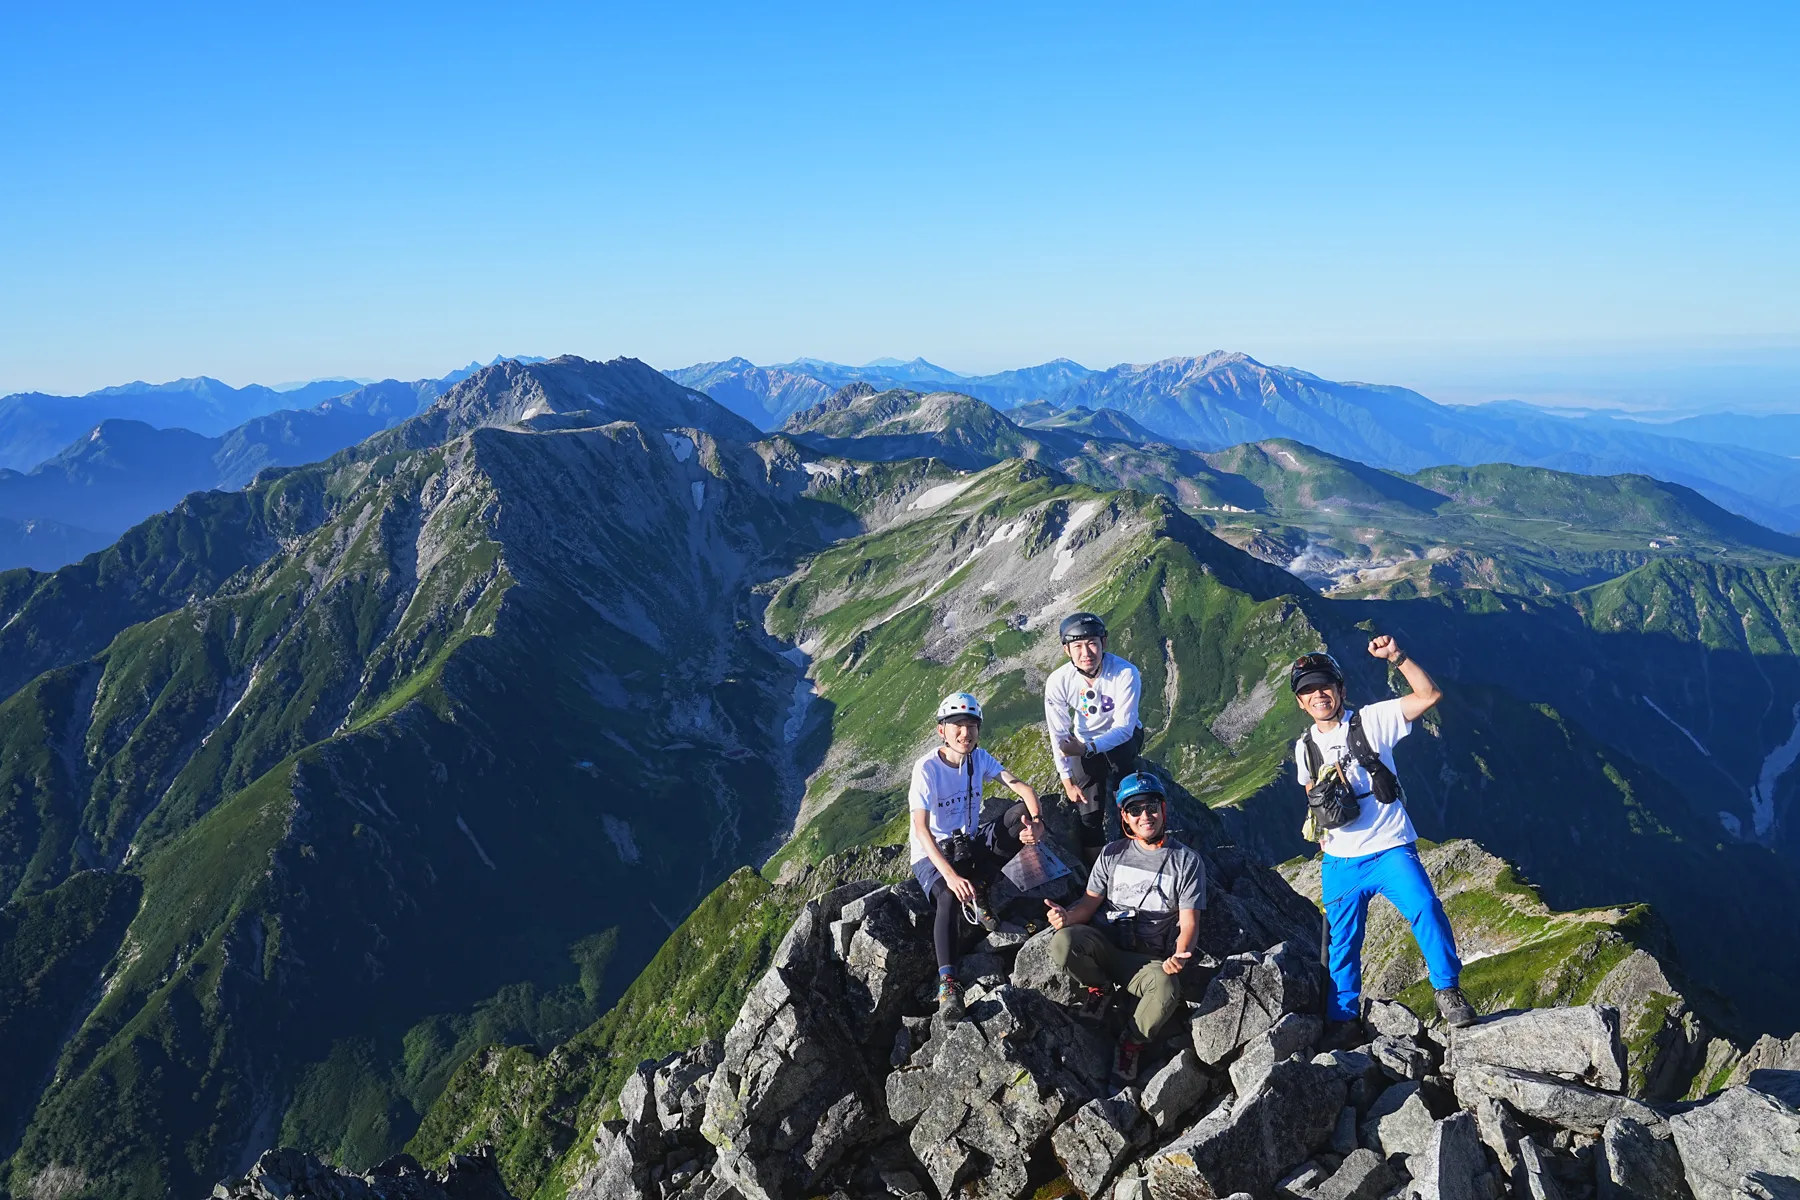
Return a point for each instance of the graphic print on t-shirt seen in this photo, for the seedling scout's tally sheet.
(950, 796)
(1378, 826)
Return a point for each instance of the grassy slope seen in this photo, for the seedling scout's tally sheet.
(312, 917)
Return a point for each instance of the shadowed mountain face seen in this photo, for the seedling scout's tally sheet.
(378, 740)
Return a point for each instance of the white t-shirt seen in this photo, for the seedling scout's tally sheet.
(950, 796)
(1378, 826)
(1102, 710)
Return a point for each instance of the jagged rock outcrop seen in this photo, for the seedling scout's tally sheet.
(1738, 1135)
(294, 1175)
(794, 1091)
(840, 1079)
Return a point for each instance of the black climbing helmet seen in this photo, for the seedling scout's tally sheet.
(1082, 625)
(1311, 670)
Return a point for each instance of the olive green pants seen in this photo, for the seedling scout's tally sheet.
(1092, 959)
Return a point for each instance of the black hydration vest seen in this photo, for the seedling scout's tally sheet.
(1333, 811)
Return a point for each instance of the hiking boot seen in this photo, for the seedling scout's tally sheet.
(1091, 1007)
(1455, 1008)
(950, 1001)
(1125, 1059)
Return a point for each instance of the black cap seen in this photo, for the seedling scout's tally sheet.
(1314, 670)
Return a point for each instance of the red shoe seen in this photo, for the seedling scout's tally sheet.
(1093, 1006)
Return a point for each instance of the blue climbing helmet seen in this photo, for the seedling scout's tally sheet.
(1140, 785)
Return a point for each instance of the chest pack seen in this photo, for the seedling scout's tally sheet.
(1333, 802)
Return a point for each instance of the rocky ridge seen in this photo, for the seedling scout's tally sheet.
(838, 1079)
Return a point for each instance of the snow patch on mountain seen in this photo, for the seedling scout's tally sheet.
(1065, 557)
(942, 494)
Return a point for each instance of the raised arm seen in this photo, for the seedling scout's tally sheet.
(1425, 692)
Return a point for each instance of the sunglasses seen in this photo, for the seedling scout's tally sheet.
(1312, 662)
(1139, 808)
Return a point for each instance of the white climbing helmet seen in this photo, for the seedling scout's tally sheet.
(958, 704)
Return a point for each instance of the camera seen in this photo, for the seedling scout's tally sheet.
(957, 848)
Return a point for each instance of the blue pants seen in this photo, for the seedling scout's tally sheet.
(1347, 886)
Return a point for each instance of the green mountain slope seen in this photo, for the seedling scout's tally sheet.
(443, 737)
(1356, 531)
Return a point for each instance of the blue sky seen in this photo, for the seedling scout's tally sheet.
(1400, 193)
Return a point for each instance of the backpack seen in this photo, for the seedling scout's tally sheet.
(1338, 806)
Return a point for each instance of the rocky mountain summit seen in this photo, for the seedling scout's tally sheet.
(838, 1079)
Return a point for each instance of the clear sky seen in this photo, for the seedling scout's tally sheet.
(269, 193)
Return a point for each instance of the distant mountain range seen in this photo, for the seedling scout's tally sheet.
(1223, 399)
(121, 471)
(77, 470)
(34, 426)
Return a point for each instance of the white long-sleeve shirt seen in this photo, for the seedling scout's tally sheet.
(1102, 710)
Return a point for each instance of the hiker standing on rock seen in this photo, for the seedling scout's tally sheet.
(1091, 711)
(956, 855)
(1152, 888)
(1357, 811)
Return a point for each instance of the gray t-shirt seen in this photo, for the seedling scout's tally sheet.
(1139, 880)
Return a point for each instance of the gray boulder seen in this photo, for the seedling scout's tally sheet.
(1246, 1146)
(1401, 1057)
(679, 1087)
(1739, 1131)
(1767, 1053)
(792, 1094)
(1450, 1166)
(637, 1099)
(1580, 1044)
(890, 956)
(997, 1084)
(1302, 1183)
(1291, 1035)
(621, 1168)
(1546, 1098)
(1533, 1180)
(1639, 1161)
(1033, 969)
(1363, 1175)
(1394, 1019)
(1398, 1123)
(1498, 1132)
(1091, 1145)
(1360, 1070)
(1760, 1185)
(1174, 1090)
(1249, 994)
(296, 1175)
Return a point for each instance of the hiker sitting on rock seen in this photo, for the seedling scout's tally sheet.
(955, 855)
(1091, 711)
(1152, 887)
(1357, 811)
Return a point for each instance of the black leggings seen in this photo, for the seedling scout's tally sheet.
(994, 848)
